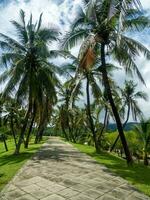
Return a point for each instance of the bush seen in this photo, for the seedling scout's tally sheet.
(132, 139)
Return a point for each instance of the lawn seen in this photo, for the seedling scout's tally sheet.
(138, 175)
(10, 164)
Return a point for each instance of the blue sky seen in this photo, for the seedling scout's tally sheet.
(61, 13)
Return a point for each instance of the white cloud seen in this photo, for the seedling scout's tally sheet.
(145, 4)
(53, 12)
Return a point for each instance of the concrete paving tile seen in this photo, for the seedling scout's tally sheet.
(14, 194)
(81, 197)
(93, 193)
(68, 193)
(138, 196)
(26, 197)
(80, 187)
(107, 197)
(119, 193)
(55, 188)
(54, 197)
(45, 183)
(11, 188)
(103, 187)
(36, 191)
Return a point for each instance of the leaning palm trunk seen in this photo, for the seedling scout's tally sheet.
(145, 154)
(145, 158)
(113, 106)
(30, 128)
(43, 121)
(13, 131)
(104, 125)
(124, 125)
(21, 138)
(64, 131)
(40, 131)
(5, 144)
(90, 116)
(26, 144)
(78, 78)
(71, 129)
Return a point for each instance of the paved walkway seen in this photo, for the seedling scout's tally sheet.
(59, 171)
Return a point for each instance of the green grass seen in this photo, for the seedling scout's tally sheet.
(10, 164)
(138, 175)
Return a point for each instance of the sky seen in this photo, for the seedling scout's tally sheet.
(60, 13)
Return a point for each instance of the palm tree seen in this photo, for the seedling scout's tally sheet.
(85, 72)
(129, 97)
(91, 121)
(61, 121)
(3, 138)
(65, 114)
(12, 117)
(104, 25)
(45, 112)
(143, 129)
(30, 74)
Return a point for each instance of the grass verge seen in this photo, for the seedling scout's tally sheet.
(10, 164)
(138, 175)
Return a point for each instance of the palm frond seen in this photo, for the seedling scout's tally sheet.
(126, 58)
(96, 91)
(73, 38)
(48, 82)
(48, 34)
(21, 32)
(141, 95)
(6, 46)
(54, 68)
(22, 17)
(138, 46)
(14, 79)
(21, 93)
(136, 111)
(16, 45)
(39, 22)
(7, 58)
(69, 67)
(80, 21)
(6, 75)
(138, 24)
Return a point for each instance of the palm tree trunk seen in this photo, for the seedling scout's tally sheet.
(41, 133)
(64, 132)
(30, 128)
(5, 144)
(38, 133)
(145, 158)
(43, 123)
(23, 130)
(71, 128)
(124, 125)
(113, 106)
(104, 125)
(0, 115)
(12, 130)
(89, 114)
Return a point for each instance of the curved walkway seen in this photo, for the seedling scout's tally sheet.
(59, 171)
